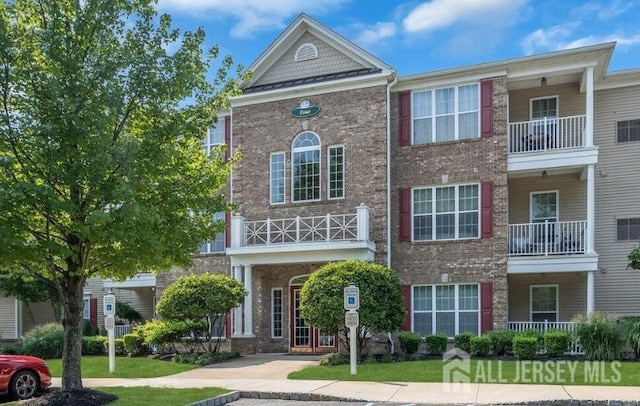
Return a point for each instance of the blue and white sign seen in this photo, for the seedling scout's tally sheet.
(351, 297)
(109, 302)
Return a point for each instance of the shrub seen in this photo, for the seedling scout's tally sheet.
(133, 344)
(532, 333)
(44, 341)
(556, 342)
(409, 341)
(463, 341)
(118, 344)
(525, 347)
(501, 341)
(204, 358)
(600, 336)
(335, 358)
(436, 344)
(87, 329)
(164, 334)
(480, 346)
(631, 334)
(94, 345)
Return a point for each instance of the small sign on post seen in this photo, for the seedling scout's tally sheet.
(109, 310)
(352, 320)
(351, 298)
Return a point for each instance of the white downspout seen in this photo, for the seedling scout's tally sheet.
(393, 82)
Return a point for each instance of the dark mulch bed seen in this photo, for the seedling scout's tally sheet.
(85, 397)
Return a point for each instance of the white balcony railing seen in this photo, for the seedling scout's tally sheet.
(542, 326)
(122, 329)
(547, 238)
(547, 134)
(298, 230)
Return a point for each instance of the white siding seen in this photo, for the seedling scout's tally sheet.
(34, 314)
(617, 184)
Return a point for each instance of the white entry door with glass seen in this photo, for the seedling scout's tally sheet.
(543, 233)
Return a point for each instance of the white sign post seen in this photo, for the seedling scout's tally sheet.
(109, 310)
(351, 320)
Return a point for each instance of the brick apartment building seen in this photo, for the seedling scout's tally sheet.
(503, 194)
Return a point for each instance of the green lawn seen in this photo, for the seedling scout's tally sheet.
(539, 372)
(125, 367)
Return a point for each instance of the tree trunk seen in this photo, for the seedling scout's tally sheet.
(72, 322)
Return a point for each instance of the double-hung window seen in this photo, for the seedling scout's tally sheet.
(335, 157)
(446, 213)
(218, 243)
(305, 167)
(214, 138)
(448, 309)
(628, 130)
(446, 114)
(544, 302)
(628, 229)
(277, 177)
(277, 327)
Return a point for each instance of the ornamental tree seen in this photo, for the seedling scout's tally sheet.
(206, 297)
(103, 107)
(381, 302)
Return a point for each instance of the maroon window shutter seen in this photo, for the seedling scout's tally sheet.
(405, 215)
(405, 118)
(227, 137)
(406, 300)
(93, 312)
(486, 108)
(227, 325)
(486, 209)
(486, 307)
(227, 230)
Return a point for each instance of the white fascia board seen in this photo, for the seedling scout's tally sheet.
(552, 264)
(442, 79)
(301, 253)
(142, 280)
(553, 159)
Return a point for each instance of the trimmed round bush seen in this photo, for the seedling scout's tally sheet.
(409, 341)
(556, 342)
(94, 345)
(45, 341)
(480, 346)
(525, 347)
(436, 344)
(335, 358)
(501, 341)
(118, 344)
(463, 341)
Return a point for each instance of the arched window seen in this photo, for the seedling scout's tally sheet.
(305, 168)
(306, 52)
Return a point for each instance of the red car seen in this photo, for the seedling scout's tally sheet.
(22, 376)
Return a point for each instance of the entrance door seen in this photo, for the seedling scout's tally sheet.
(306, 338)
(544, 219)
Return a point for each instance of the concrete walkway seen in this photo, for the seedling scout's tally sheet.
(265, 376)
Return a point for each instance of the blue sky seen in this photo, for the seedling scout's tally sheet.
(422, 36)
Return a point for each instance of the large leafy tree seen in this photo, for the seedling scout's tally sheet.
(102, 112)
(381, 302)
(206, 297)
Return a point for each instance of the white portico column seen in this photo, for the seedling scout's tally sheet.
(237, 312)
(248, 308)
(591, 297)
(589, 107)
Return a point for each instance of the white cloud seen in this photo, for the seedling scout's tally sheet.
(558, 38)
(437, 14)
(252, 15)
(371, 35)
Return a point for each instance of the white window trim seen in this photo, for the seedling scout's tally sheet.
(615, 228)
(456, 113)
(344, 172)
(541, 192)
(616, 131)
(293, 167)
(531, 100)
(532, 287)
(433, 310)
(457, 212)
(284, 174)
(86, 309)
(273, 336)
(209, 147)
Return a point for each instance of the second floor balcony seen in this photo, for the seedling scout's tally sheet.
(330, 237)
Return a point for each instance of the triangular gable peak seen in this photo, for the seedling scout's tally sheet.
(308, 52)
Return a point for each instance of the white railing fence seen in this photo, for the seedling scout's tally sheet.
(547, 134)
(122, 329)
(542, 326)
(546, 238)
(297, 230)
